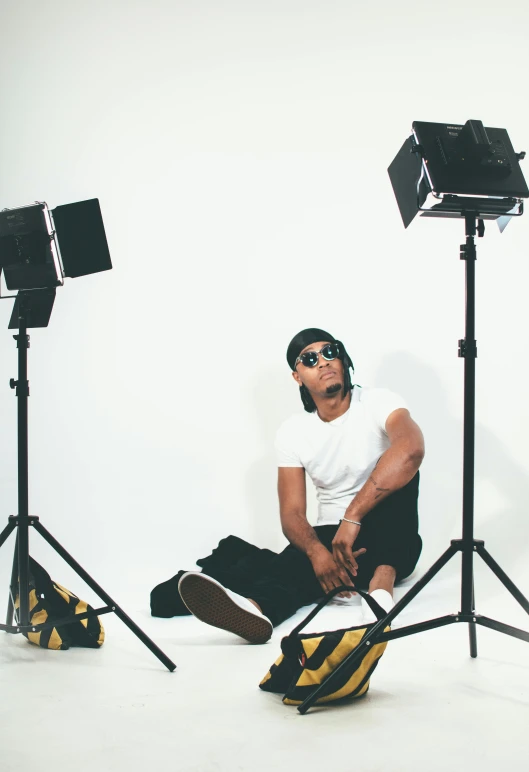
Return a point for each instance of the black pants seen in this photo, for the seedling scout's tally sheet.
(283, 583)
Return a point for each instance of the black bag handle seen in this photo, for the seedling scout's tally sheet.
(375, 607)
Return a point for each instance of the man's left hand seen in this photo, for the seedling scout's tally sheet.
(342, 547)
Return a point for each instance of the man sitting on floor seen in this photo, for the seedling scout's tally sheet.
(362, 451)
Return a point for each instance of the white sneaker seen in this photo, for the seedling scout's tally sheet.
(214, 604)
(383, 598)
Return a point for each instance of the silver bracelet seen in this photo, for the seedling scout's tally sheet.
(354, 522)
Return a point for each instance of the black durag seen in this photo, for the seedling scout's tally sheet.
(305, 338)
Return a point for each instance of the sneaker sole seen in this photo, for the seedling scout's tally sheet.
(209, 603)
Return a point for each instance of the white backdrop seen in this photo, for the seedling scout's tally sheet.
(239, 152)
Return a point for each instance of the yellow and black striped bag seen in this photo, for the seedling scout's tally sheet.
(49, 601)
(308, 659)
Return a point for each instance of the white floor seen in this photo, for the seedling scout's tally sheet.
(430, 706)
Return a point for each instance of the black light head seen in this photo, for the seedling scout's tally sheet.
(39, 247)
(467, 168)
(28, 253)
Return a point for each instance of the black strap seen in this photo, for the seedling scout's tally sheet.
(375, 607)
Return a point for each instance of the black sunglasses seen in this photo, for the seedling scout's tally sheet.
(310, 358)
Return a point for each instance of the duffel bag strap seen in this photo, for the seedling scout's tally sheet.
(375, 607)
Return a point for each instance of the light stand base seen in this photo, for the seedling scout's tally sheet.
(377, 634)
(110, 607)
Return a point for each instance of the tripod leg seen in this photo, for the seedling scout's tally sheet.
(10, 527)
(502, 576)
(104, 596)
(472, 632)
(6, 533)
(13, 587)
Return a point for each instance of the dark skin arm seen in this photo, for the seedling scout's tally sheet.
(395, 468)
(299, 532)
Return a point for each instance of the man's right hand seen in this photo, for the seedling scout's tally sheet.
(329, 573)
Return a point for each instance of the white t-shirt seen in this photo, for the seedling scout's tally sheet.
(339, 455)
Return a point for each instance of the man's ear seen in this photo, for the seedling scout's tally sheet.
(297, 378)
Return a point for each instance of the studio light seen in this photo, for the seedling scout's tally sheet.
(470, 172)
(447, 169)
(38, 249)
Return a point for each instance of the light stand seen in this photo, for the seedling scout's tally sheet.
(33, 309)
(467, 545)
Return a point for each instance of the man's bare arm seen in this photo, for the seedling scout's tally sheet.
(293, 509)
(396, 466)
(394, 470)
(292, 493)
